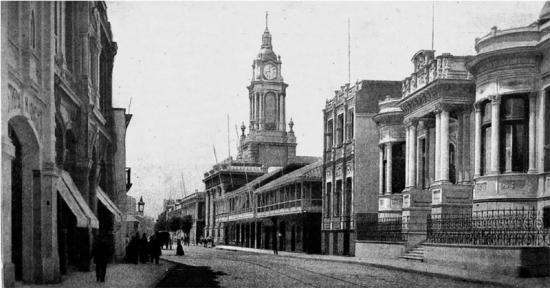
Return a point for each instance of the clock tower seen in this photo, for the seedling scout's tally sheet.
(268, 141)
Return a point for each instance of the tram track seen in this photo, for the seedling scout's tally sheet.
(354, 284)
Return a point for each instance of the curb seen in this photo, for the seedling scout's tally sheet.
(386, 266)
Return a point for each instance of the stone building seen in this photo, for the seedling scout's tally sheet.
(191, 205)
(512, 117)
(391, 162)
(64, 173)
(219, 182)
(267, 145)
(437, 111)
(286, 200)
(350, 149)
(476, 158)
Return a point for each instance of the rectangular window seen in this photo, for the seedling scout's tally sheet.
(329, 135)
(339, 130)
(486, 150)
(338, 198)
(384, 168)
(398, 167)
(328, 199)
(349, 125)
(424, 180)
(514, 137)
(347, 203)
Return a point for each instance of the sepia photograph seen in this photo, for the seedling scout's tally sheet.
(275, 144)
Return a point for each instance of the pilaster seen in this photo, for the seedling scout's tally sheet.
(495, 135)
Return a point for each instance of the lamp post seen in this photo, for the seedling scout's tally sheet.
(141, 205)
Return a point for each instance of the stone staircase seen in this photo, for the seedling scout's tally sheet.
(414, 254)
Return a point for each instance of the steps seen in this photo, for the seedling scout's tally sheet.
(415, 254)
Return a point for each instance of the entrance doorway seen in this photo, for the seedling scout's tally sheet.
(25, 205)
(16, 205)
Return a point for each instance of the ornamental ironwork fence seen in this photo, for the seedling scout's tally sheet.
(388, 229)
(506, 227)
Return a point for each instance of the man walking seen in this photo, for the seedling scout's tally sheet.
(101, 253)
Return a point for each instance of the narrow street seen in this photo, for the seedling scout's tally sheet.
(206, 267)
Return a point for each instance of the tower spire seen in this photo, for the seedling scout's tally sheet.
(266, 18)
(266, 37)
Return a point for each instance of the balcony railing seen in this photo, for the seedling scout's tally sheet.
(506, 227)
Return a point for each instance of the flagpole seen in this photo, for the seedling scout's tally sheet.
(433, 21)
(349, 52)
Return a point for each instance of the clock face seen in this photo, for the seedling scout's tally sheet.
(270, 71)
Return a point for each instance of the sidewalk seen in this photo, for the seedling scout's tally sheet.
(412, 266)
(118, 276)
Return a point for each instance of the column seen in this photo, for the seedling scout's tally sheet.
(388, 167)
(413, 161)
(477, 143)
(459, 148)
(407, 155)
(437, 146)
(542, 129)
(261, 110)
(281, 118)
(444, 150)
(532, 136)
(381, 170)
(495, 135)
(256, 114)
(284, 112)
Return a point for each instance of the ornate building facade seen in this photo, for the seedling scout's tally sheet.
(350, 149)
(267, 142)
(476, 158)
(64, 173)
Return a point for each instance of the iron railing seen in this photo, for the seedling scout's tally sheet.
(385, 229)
(506, 227)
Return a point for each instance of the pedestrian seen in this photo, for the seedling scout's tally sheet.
(133, 249)
(276, 242)
(101, 253)
(154, 248)
(143, 251)
(179, 249)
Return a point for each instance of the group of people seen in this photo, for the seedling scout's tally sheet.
(141, 250)
(206, 242)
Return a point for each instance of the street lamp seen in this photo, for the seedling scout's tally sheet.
(141, 205)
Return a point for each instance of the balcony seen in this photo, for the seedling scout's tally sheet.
(290, 207)
(445, 66)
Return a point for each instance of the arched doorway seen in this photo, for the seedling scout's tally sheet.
(25, 200)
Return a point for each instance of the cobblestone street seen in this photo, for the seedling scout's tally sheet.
(244, 269)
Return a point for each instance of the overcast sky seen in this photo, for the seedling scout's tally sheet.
(186, 65)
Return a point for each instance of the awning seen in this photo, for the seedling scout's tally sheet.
(102, 196)
(69, 192)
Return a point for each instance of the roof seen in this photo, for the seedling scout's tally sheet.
(257, 181)
(309, 172)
